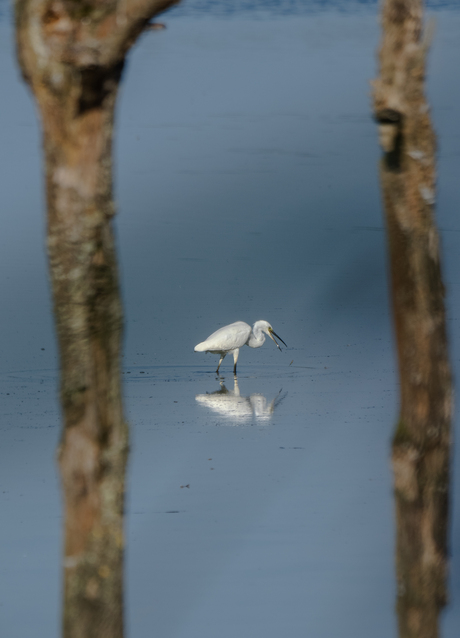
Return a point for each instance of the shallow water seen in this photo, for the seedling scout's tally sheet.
(247, 189)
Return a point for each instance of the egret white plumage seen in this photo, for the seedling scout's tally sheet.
(231, 338)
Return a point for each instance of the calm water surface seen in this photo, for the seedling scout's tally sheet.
(246, 182)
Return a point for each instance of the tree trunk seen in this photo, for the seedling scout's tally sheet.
(421, 443)
(72, 55)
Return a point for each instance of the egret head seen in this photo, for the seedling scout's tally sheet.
(266, 327)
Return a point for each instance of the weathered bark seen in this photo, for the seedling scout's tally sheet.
(421, 443)
(72, 54)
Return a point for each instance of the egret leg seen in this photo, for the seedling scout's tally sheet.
(235, 359)
(221, 359)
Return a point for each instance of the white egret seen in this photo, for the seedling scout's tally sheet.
(231, 338)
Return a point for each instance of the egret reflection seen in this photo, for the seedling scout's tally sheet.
(239, 409)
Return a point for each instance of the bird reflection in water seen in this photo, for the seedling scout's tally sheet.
(239, 409)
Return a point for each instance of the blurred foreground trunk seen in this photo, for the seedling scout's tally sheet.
(72, 54)
(421, 443)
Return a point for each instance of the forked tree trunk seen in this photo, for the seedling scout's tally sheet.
(71, 54)
(421, 443)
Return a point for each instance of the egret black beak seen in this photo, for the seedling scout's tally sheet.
(273, 334)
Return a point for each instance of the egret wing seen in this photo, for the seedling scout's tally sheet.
(228, 338)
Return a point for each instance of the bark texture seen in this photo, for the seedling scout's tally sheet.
(72, 54)
(421, 443)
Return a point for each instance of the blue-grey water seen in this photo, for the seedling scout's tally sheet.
(247, 188)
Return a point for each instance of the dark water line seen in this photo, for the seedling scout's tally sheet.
(269, 9)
